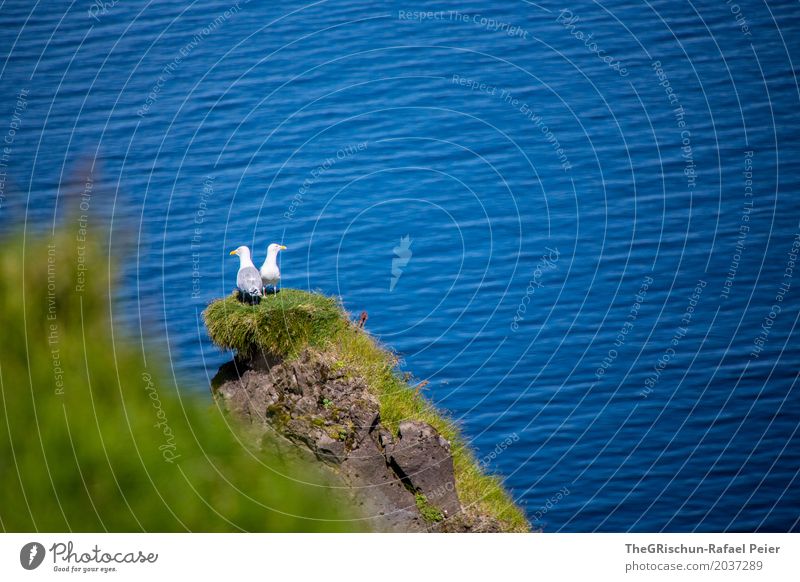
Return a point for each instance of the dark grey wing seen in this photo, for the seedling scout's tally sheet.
(248, 279)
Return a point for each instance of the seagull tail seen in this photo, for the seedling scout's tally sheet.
(249, 298)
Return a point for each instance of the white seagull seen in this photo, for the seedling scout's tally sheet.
(247, 279)
(270, 273)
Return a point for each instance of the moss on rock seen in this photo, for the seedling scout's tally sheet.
(429, 512)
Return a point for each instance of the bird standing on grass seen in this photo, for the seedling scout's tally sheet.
(270, 273)
(247, 279)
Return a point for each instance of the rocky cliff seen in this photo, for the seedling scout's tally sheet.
(312, 400)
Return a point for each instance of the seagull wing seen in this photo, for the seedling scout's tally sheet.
(248, 279)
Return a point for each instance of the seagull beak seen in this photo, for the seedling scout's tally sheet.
(234, 252)
(283, 248)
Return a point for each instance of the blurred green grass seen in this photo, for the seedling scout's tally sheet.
(92, 439)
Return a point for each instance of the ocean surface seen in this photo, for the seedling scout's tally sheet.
(578, 222)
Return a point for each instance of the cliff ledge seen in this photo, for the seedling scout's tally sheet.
(306, 374)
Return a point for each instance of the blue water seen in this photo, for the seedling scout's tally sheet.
(572, 221)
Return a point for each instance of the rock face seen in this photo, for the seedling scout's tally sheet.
(421, 458)
(312, 404)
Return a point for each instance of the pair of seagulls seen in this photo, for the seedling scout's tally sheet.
(253, 283)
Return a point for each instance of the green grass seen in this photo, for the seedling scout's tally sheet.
(429, 513)
(281, 325)
(94, 439)
(285, 324)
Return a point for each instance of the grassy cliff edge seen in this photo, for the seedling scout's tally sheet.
(286, 324)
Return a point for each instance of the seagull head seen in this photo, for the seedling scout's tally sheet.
(274, 248)
(242, 252)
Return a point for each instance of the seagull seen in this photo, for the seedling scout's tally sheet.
(247, 279)
(270, 273)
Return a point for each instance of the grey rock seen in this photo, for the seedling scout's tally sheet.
(421, 456)
(381, 494)
(319, 410)
(330, 450)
